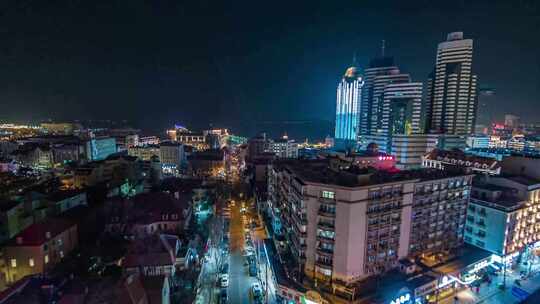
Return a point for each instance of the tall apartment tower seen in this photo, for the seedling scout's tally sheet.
(349, 95)
(381, 72)
(401, 109)
(452, 89)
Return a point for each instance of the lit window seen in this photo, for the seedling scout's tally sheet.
(46, 258)
(13, 263)
(328, 194)
(31, 262)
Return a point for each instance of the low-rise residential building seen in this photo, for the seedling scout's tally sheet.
(283, 147)
(343, 226)
(115, 169)
(38, 248)
(155, 255)
(99, 148)
(144, 152)
(147, 214)
(148, 140)
(479, 141)
(172, 157)
(12, 219)
(196, 140)
(62, 201)
(444, 160)
(138, 289)
(34, 155)
(209, 163)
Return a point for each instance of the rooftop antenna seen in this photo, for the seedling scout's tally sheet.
(354, 59)
(382, 48)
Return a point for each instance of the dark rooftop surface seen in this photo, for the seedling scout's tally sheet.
(62, 195)
(468, 256)
(8, 205)
(502, 202)
(35, 235)
(524, 180)
(318, 171)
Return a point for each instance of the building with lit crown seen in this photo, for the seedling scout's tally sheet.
(349, 94)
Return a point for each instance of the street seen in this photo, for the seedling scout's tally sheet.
(493, 294)
(240, 281)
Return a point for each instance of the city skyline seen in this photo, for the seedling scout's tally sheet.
(61, 73)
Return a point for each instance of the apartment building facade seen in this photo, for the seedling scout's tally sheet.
(344, 226)
(503, 216)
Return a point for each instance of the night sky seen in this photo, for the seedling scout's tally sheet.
(237, 63)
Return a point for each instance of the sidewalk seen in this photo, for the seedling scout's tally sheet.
(207, 284)
(492, 294)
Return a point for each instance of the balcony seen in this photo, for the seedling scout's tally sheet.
(327, 200)
(302, 220)
(327, 212)
(325, 252)
(323, 263)
(298, 232)
(325, 239)
(325, 225)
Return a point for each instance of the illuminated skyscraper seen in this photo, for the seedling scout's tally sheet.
(348, 105)
(451, 90)
(381, 72)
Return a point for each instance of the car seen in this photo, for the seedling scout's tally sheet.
(256, 290)
(252, 269)
(223, 297)
(224, 280)
(225, 268)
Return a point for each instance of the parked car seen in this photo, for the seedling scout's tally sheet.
(252, 269)
(256, 290)
(225, 268)
(224, 280)
(223, 297)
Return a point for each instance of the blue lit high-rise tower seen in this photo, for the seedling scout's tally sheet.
(348, 106)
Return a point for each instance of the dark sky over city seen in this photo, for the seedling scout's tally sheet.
(236, 63)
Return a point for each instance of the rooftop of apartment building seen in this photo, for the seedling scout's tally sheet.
(184, 185)
(29, 147)
(495, 196)
(170, 144)
(147, 208)
(319, 171)
(6, 205)
(522, 179)
(438, 154)
(152, 250)
(64, 194)
(38, 233)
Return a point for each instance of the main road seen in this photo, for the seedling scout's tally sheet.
(239, 279)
